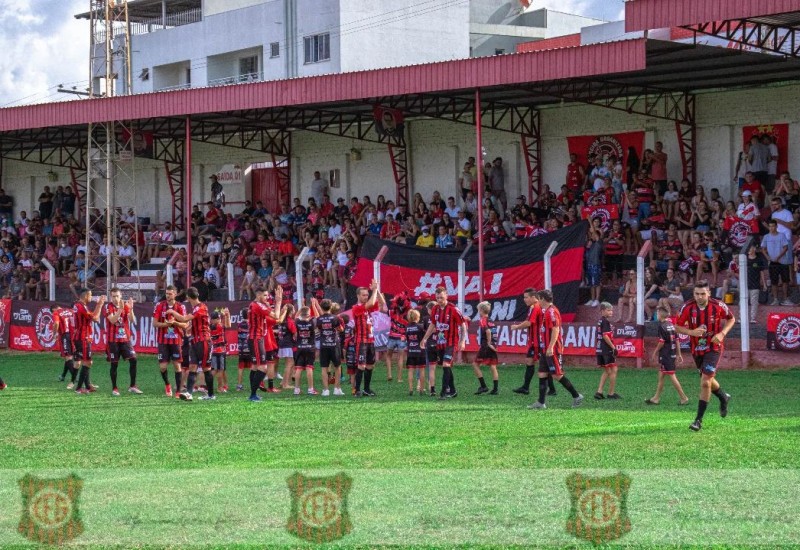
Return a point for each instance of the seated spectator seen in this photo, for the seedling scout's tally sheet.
(444, 239)
(16, 288)
(248, 284)
(211, 276)
(391, 229)
(425, 239)
(214, 250)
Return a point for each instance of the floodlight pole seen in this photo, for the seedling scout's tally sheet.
(462, 277)
(479, 175)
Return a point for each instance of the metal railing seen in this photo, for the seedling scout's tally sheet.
(172, 20)
(176, 87)
(237, 79)
(51, 283)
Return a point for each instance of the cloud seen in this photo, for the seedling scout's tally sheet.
(609, 10)
(43, 45)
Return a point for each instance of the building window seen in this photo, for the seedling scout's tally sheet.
(274, 49)
(317, 48)
(499, 51)
(248, 66)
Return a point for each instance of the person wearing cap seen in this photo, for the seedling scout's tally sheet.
(341, 208)
(748, 211)
(425, 239)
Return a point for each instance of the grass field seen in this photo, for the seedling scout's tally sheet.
(473, 471)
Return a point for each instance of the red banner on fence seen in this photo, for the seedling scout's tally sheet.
(5, 321)
(606, 145)
(780, 136)
(606, 213)
(783, 332)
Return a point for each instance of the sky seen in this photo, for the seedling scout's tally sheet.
(42, 45)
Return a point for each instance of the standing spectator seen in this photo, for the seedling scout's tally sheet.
(783, 217)
(46, 203)
(67, 203)
(217, 194)
(6, 206)
(743, 164)
(576, 174)
(466, 182)
(755, 187)
(319, 187)
(759, 159)
(497, 181)
(594, 261)
(632, 165)
(772, 164)
(777, 249)
(658, 169)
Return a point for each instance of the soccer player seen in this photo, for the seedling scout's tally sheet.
(450, 326)
(431, 348)
(667, 350)
(551, 347)
(64, 324)
(220, 320)
(606, 352)
(397, 338)
(82, 339)
(169, 336)
(262, 338)
(349, 349)
(707, 322)
(119, 316)
(245, 352)
(306, 352)
(330, 354)
(533, 324)
(285, 335)
(487, 353)
(369, 300)
(199, 351)
(416, 361)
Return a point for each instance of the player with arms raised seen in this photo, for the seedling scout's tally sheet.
(369, 300)
(262, 338)
(200, 349)
(64, 324)
(119, 316)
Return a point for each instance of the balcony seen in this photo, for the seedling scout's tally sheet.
(237, 79)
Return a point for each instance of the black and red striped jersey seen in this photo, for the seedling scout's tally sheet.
(84, 322)
(397, 328)
(168, 335)
(362, 317)
(201, 326)
(711, 318)
(414, 333)
(535, 319)
(604, 328)
(448, 321)
(486, 330)
(257, 315)
(121, 330)
(66, 320)
(218, 344)
(551, 318)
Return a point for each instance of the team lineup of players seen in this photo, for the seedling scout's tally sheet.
(422, 336)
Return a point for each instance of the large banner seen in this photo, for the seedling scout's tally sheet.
(780, 136)
(606, 212)
(509, 268)
(783, 332)
(32, 327)
(606, 145)
(5, 321)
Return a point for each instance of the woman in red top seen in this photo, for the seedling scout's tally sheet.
(683, 219)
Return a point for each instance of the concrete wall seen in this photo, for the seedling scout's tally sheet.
(438, 150)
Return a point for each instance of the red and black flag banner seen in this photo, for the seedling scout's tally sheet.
(509, 268)
(606, 145)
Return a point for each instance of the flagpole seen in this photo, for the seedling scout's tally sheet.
(479, 175)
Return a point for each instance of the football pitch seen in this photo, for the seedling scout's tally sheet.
(474, 471)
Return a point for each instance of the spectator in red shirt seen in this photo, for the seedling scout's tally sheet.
(754, 186)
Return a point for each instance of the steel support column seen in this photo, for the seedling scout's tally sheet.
(532, 150)
(479, 162)
(187, 180)
(399, 157)
(753, 33)
(279, 146)
(171, 152)
(687, 141)
(78, 182)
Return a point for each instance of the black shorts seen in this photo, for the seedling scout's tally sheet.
(169, 352)
(416, 361)
(260, 355)
(119, 350)
(245, 362)
(551, 365)
(330, 356)
(350, 358)
(667, 367)
(304, 358)
(707, 364)
(82, 350)
(486, 357)
(444, 355)
(199, 353)
(218, 361)
(66, 345)
(532, 352)
(778, 273)
(365, 354)
(606, 360)
(186, 351)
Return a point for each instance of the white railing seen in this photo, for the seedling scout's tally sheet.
(298, 276)
(462, 276)
(237, 79)
(231, 282)
(153, 24)
(548, 268)
(176, 87)
(51, 291)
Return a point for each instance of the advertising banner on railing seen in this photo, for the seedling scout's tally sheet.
(783, 332)
(5, 321)
(509, 268)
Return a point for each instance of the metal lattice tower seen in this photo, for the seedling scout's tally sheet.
(110, 175)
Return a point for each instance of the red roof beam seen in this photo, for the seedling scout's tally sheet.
(642, 15)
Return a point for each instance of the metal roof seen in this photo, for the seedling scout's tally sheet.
(641, 15)
(516, 80)
(148, 10)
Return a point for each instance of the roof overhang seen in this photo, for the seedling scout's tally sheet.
(642, 15)
(150, 10)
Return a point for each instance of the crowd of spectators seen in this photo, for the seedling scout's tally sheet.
(695, 234)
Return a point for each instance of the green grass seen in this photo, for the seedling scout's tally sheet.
(484, 458)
